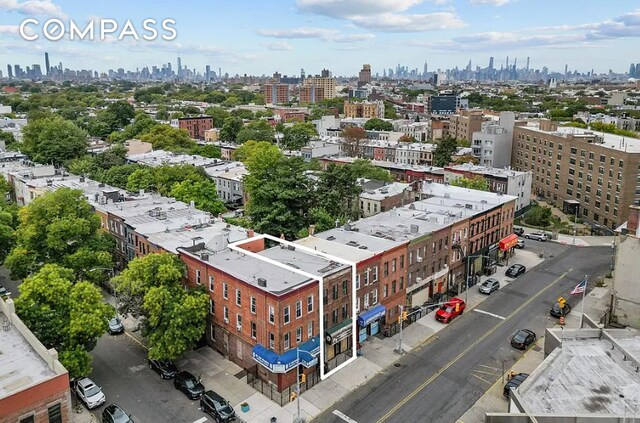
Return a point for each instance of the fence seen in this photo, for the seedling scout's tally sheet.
(270, 390)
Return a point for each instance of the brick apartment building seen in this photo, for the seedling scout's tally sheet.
(196, 126)
(463, 125)
(364, 109)
(35, 385)
(571, 167)
(311, 94)
(276, 93)
(326, 83)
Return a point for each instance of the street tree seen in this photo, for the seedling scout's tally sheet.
(337, 192)
(173, 319)
(218, 114)
(64, 314)
(377, 124)
(444, 150)
(407, 138)
(353, 137)
(258, 131)
(203, 193)
(59, 227)
(165, 137)
(230, 129)
(298, 135)
(364, 169)
(53, 140)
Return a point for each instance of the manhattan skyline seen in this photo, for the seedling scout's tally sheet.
(338, 34)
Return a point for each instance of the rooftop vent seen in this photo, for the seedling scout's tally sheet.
(262, 282)
(363, 247)
(468, 206)
(204, 257)
(414, 229)
(352, 243)
(331, 238)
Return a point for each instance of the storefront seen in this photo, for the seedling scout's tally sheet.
(338, 339)
(369, 321)
(307, 352)
(506, 246)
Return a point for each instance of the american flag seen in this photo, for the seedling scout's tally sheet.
(580, 288)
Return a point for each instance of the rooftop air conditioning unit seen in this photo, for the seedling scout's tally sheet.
(238, 328)
(418, 279)
(419, 259)
(226, 320)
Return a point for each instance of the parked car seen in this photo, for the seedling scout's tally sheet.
(538, 236)
(89, 393)
(3, 292)
(515, 270)
(114, 414)
(520, 244)
(557, 310)
(188, 384)
(450, 310)
(165, 368)
(514, 382)
(522, 338)
(115, 326)
(217, 407)
(518, 231)
(489, 286)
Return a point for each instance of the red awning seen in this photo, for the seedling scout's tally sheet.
(508, 242)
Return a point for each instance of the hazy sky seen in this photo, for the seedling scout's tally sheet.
(256, 37)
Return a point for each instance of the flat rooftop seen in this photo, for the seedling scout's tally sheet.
(385, 191)
(216, 236)
(612, 141)
(484, 170)
(571, 379)
(21, 365)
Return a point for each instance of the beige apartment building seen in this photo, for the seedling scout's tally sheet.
(327, 84)
(364, 109)
(463, 125)
(597, 172)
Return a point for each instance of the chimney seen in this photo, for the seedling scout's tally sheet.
(312, 229)
(282, 236)
(250, 233)
(632, 220)
(192, 204)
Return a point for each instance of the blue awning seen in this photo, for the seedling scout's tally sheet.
(374, 313)
(283, 363)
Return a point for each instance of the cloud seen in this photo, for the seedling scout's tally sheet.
(32, 7)
(278, 46)
(343, 9)
(324, 34)
(491, 2)
(390, 22)
(9, 29)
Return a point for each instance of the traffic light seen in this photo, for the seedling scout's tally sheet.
(293, 396)
(561, 302)
(303, 378)
(400, 319)
(404, 315)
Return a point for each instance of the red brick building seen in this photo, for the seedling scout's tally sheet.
(196, 126)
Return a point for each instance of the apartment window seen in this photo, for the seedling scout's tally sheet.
(374, 297)
(298, 309)
(402, 261)
(225, 291)
(345, 312)
(210, 283)
(287, 314)
(602, 158)
(598, 192)
(253, 305)
(366, 300)
(366, 277)
(299, 335)
(272, 341)
(238, 298)
(309, 303)
(574, 150)
(583, 153)
(597, 204)
(357, 305)
(620, 164)
(55, 413)
(393, 287)
(385, 291)
(254, 330)
(226, 315)
(569, 191)
(239, 321)
(310, 329)
(334, 316)
(572, 161)
(385, 268)
(287, 341)
(357, 281)
(212, 307)
(28, 419)
(198, 282)
(570, 181)
(601, 170)
(375, 275)
(402, 282)
(272, 315)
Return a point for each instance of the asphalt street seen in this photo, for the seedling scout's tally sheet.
(440, 380)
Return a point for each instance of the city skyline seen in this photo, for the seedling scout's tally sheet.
(341, 35)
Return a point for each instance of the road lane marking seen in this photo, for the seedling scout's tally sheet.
(489, 314)
(489, 367)
(202, 420)
(136, 340)
(469, 348)
(484, 373)
(485, 381)
(344, 416)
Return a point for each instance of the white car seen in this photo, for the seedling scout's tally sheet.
(536, 236)
(90, 393)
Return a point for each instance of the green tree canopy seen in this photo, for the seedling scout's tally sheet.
(538, 216)
(258, 131)
(364, 169)
(203, 193)
(478, 183)
(376, 124)
(59, 227)
(140, 126)
(63, 314)
(173, 319)
(53, 140)
(337, 192)
(298, 135)
(165, 137)
(443, 152)
(230, 129)
(218, 114)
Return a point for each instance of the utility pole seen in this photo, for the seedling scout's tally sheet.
(298, 382)
(401, 322)
(575, 224)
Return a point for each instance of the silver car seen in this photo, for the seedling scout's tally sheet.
(536, 236)
(489, 286)
(90, 393)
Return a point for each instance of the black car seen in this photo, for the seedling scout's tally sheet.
(515, 270)
(522, 339)
(557, 311)
(217, 407)
(3, 292)
(189, 385)
(518, 231)
(114, 414)
(165, 368)
(514, 382)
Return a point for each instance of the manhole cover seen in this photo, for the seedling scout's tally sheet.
(477, 393)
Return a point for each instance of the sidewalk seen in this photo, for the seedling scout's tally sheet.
(228, 379)
(596, 304)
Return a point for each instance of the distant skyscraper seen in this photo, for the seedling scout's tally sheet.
(364, 77)
(491, 63)
(507, 66)
(528, 63)
(302, 74)
(207, 73)
(566, 69)
(426, 69)
(325, 73)
(46, 63)
(9, 72)
(179, 66)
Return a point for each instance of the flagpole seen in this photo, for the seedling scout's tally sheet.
(583, 295)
